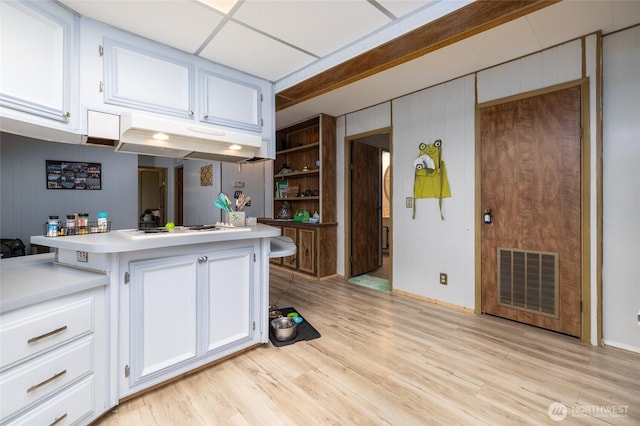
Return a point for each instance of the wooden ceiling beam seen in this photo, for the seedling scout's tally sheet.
(465, 22)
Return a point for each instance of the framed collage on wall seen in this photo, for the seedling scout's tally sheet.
(73, 175)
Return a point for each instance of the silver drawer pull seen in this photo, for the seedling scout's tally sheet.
(49, 334)
(46, 382)
(58, 420)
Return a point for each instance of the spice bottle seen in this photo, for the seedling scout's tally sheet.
(71, 224)
(52, 226)
(83, 223)
(103, 222)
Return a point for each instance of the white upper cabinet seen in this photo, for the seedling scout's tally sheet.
(230, 102)
(140, 79)
(38, 63)
(55, 66)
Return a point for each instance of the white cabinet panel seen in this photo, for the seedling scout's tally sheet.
(140, 79)
(180, 312)
(36, 69)
(163, 314)
(45, 375)
(66, 408)
(25, 333)
(228, 284)
(230, 102)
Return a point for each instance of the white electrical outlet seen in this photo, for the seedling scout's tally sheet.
(409, 202)
(82, 256)
(238, 184)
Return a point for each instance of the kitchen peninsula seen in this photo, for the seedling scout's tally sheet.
(158, 306)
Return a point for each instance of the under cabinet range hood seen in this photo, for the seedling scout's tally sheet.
(147, 135)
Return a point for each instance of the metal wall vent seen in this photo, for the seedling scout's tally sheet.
(528, 281)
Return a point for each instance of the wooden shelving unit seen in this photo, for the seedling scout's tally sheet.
(308, 150)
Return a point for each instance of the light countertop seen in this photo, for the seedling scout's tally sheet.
(120, 241)
(27, 280)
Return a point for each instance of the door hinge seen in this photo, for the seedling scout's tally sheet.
(254, 258)
(126, 278)
(101, 87)
(126, 371)
(254, 326)
(100, 50)
(262, 122)
(261, 97)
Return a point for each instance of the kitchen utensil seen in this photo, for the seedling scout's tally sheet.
(284, 328)
(221, 205)
(223, 202)
(227, 200)
(242, 201)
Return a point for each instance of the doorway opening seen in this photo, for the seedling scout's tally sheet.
(368, 181)
(152, 196)
(178, 191)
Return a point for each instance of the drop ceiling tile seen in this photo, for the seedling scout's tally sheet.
(583, 15)
(399, 8)
(318, 27)
(181, 24)
(624, 14)
(266, 57)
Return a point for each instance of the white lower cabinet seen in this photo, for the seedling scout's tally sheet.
(163, 314)
(227, 290)
(183, 312)
(53, 367)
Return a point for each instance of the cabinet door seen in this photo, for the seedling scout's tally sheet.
(162, 314)
(306, 251)
(230, 102)
(291, 261)
(35, 59)
(140, 79)
(228, 293)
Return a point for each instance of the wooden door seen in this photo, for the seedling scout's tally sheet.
(306, 252)
(179, 196)
(530, 181)
(291, 261)
(366, 209)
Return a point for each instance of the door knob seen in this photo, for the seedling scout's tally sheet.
(202, 259)
(487, 217)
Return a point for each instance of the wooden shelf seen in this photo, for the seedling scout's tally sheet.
(301, 148)
(309, 198)
(294, 174)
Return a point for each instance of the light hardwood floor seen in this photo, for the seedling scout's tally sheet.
(386, 359)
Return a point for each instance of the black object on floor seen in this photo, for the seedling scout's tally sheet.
(305, 330)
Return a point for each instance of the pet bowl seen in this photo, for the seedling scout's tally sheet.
(284, 328)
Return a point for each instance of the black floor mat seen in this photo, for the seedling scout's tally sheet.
(305, 330)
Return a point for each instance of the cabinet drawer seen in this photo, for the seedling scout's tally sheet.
(45, 375)
(30, 331)
(64, 409)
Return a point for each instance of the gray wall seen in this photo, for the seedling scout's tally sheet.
(26, 203)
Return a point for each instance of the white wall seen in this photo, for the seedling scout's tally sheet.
(26, 203)
(425, 246)
(621, 196)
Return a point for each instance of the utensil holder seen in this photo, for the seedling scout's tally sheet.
(235, 218)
